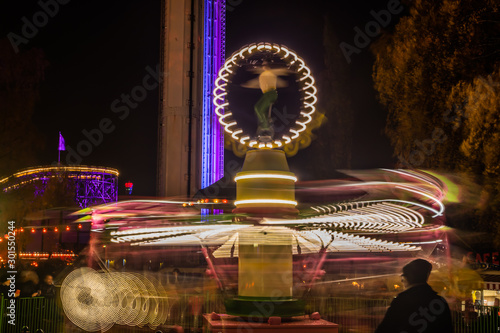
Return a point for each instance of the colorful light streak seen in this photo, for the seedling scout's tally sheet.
(265, 201)
(426, 187)
(360, 216)
(227, 236)
(265, 175)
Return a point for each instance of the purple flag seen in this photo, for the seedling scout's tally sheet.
(62, 145)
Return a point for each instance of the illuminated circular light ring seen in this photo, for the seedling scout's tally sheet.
(83, 295)
(266, 201)
(305, 78)
(265, 175)
(96, 301)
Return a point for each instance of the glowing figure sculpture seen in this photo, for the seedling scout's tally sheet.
(267, 82)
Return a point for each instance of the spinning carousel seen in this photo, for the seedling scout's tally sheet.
(264, 235)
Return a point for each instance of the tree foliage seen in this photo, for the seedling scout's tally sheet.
(480, 144)
(439, 45)
(438, 75)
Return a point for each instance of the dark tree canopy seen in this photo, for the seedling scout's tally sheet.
(438, 46)
(438, 75)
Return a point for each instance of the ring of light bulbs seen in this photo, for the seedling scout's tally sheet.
(306, 83)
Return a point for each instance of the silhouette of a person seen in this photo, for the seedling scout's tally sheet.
(418, 309)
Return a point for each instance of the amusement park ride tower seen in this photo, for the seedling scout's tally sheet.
(190, 139)
(265, 188)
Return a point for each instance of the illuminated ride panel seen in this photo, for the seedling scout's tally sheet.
(327, 242)
(373, 227)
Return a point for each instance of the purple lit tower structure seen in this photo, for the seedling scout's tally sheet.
(212, 164)
(190, 138)
(92, 185)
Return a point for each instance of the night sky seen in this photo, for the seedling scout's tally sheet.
(98, 50)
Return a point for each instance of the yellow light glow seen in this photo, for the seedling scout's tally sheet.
(265, 175)
(55, 170)
(266, 201)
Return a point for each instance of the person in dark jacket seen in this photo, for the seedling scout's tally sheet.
(28, 284)
(47, 288)
(418, 309)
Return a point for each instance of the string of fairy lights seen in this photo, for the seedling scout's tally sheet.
(54, 230)
(19, 179)
(48, 229)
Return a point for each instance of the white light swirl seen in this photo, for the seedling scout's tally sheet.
(96, 301)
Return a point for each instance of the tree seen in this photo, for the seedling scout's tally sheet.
(438, 76)
(479, 119)
(439, 45)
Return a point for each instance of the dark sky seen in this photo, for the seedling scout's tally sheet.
(98, 50)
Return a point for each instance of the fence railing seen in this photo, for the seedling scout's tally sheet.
(481, 319)
(352, 314)
(35, 313)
